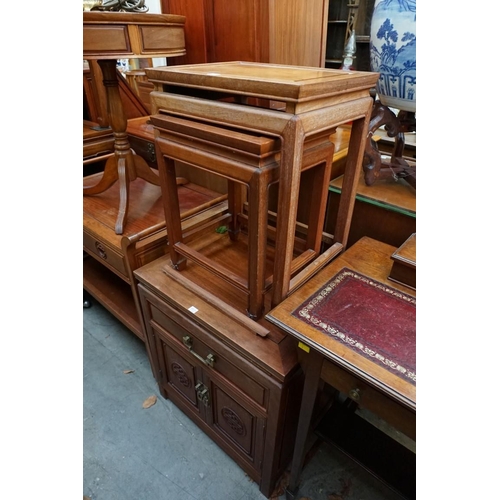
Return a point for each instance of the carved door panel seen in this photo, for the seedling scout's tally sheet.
(236, 422)
(180, 378)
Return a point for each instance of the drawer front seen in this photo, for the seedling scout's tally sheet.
(198, 344)
(105, 254)
(369, 398)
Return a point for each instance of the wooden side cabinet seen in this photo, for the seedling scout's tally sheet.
(110, 259)
(241, 389)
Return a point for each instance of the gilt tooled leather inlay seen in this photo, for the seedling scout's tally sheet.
(371, 318)
(233, 421)
(181, 374)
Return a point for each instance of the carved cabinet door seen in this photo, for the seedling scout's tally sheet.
(235, 419)
(180, 379)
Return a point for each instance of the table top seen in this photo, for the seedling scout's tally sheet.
(116, 35)
(370, 260)
(265, 80)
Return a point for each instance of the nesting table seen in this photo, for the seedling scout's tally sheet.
(296, 110)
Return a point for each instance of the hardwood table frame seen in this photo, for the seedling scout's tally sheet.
(313, 107)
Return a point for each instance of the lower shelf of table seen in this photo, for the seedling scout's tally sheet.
(112, 292)
(384, 457)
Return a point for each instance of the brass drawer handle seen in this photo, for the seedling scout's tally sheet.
(355, 395)
(101, 250)
(188, 342)
(151, 152)
(202, 393)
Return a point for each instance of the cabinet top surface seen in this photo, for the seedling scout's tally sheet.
(293, 82)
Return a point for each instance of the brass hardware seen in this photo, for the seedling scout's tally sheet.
(355, 395)
(101, 250)
(202, 393)
(151, 152)
(188, 342)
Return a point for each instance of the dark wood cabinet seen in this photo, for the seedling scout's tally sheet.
(241, 389)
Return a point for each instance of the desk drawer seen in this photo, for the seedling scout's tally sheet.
(106, 255)
(368, 397)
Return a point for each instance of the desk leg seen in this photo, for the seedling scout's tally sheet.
(311, 383)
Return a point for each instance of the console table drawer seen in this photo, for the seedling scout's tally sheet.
(105, 254)
(202, 346)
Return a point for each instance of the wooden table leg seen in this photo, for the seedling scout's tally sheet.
(292, 149)
(311, 383)
(126, 166)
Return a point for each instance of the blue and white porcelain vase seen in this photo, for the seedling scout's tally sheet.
(393, 44)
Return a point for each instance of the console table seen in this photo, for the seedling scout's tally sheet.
(377, 375)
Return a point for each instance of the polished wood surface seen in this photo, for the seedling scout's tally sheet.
(385, 211)
(327, 359)
(317, 101)
(120, 35)
(302, 88)
(111, 258)
(404, 266)
(96, 141)
(271, 31)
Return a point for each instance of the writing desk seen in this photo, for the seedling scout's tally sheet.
(384, 381)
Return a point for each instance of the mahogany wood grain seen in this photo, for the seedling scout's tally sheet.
(385, 211)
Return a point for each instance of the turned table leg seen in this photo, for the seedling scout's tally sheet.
(125, 166)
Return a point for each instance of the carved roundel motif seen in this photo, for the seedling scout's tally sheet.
(233, 421)
(181, 374)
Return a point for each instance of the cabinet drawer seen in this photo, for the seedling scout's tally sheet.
(199, 344)
(103, 253)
